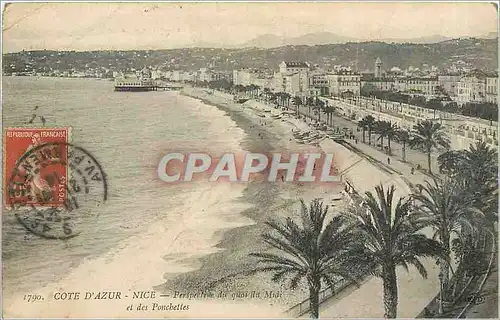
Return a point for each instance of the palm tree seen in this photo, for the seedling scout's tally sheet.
(471, 260)
(482, 162)
(391, 238)
(381, 128)
(319, 107)
(370, 124)
(448, 209)
(315, 251)
(391, 132)
(363, 125)
(310, 103)
(479, 171)
(429, 135)
(273, 98)
(288, 97)
(329, 114)
(297, 101)
(450, 161)
(281, 98)
(404, 138)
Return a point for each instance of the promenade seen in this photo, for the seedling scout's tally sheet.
(414, 157)
(365, 166)
(415, 293)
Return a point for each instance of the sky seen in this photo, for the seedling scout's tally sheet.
(108, 26)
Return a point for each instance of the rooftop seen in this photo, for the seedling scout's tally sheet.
(370, 77)
(421, 78)
(344, 72)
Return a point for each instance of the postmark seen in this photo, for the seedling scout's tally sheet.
(70, 202)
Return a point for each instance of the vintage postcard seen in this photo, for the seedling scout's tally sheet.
(249, 160)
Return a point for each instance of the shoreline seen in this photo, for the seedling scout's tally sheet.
(218, 228)
(363, 175)
(267, 200)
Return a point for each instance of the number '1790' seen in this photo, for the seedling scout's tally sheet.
(32, 297)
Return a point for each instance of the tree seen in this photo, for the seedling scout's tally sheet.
(267, 91)
(367, 89)
(281, 98)
(297, 101)
(451, 107)
(315, 251)
(479, 171)
(273, 97)
(310, 103)
(391, 238)
(448, 210)
(471, 260)
(391, 132)
(329, 114)
(482, 162)
(363, 124)
(404, 138)
(417, 101)
(429, 135)
(450, 161)
(434, 104)
(386, 130)
(486, 110)
(287, 97)
(319, 105)
(380, 127)
(370, 124)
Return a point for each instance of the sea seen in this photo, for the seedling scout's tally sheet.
(127, 133)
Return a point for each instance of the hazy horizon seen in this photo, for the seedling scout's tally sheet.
(155, 26)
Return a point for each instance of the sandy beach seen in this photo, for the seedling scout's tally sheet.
(198, 249)
(363, 176)
(269, 200)
(206, 240)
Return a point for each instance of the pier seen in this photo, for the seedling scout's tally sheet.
(141, 86)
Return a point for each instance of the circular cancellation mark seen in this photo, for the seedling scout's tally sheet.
(56, 189)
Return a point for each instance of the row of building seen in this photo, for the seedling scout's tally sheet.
(461, 130)
(303, 80)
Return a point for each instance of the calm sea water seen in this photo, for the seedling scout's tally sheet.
(127, 133)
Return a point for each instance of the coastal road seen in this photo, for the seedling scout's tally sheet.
(378, 157)
(413, 156)
(415, 292)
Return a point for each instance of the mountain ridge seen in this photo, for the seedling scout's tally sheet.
(472, 52)
(321, 38)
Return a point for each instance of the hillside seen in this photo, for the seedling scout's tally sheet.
(480, 53)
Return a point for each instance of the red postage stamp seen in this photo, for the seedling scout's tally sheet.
(35, 175)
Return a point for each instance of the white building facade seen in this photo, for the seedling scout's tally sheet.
(343, 82)
(471, 88)
(492, 89)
